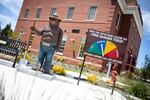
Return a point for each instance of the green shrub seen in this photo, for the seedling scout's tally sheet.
(60, 59)
(58, 70)
(79, 64)
(85, 65)
(22, 56)
(138, 89)
(92, 78)
(93, 68)
(148, 89)
(129, 75)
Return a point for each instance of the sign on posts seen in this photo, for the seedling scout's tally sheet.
(105, 46)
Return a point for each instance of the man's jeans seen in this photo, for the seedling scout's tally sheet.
(46, 52)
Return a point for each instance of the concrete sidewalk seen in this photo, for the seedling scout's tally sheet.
(24, 84)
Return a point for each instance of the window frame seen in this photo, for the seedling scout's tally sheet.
(88, 17)
(52, 9)
(69, 12)
(38, 13)
(133, 32)
(26, 14)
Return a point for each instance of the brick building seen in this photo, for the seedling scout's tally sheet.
(117, 17)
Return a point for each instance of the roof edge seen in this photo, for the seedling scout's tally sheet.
(134, 10)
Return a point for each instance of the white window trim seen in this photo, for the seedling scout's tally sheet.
(59, 53)
(68, 19)
(80, 58)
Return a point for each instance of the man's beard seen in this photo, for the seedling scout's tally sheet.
(53, 25)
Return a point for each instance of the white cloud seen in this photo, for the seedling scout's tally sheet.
(12, 5)
(19, 3)
(6, 20)
(146, 20)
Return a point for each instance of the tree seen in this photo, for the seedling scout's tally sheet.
(7, 31)
(145, 74)
(14, 35)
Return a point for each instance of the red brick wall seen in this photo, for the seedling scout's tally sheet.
(133, 43)
(125, 30)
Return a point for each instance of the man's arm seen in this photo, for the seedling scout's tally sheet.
(36, 31)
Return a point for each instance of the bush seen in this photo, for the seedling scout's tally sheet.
(129, 75)
(138, 89)
(85, 65)
(79, 64)
(21, 56)
(58, 70)
(60, 59)
(148, 89)
(92, 78)
(93, 68)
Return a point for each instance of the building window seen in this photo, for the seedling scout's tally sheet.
(81, 53)
(132, 34)
(135, 35)
(62, 45)
(118, 20)
(132, 46)
(92, 13)
(38, 13)
(53, 11)
(75, 31)
(137, 41)
(26, 13)
(70, 12)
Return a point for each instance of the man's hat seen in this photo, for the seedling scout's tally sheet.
(55, 16)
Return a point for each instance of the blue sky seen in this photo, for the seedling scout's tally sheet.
(10, 9)
(145, 44)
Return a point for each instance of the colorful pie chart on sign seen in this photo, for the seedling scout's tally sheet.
(104, 48)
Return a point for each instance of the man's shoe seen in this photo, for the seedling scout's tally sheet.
(41, 69)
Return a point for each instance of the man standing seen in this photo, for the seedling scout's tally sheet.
(50, 41)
